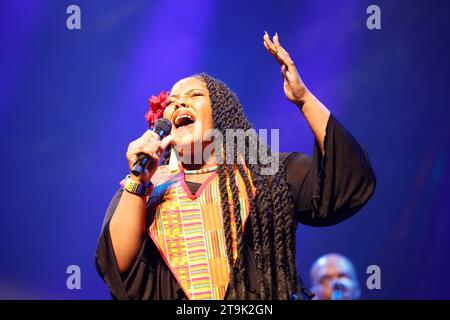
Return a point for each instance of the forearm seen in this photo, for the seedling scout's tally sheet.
(317, 115)
(127, 228)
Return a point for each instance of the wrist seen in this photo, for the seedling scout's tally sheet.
(135, 186)
(304, 100)
(136, 179)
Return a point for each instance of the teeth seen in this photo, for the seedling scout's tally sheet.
(183, 116)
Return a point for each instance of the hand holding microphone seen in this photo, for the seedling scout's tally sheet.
(143, 154)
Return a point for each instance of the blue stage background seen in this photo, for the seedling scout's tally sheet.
(71, 101)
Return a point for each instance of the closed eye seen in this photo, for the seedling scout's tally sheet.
(198, 93)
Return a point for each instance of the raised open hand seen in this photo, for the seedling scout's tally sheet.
(294, 88)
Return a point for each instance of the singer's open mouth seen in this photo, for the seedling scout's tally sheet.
(183, 118)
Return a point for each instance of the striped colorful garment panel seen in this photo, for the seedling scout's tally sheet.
(190, 236)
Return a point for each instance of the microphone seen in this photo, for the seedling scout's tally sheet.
(340, 288)
(162, 128)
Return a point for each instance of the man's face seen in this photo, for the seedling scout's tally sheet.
(334, 278)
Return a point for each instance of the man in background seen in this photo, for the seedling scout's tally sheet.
(333, 277)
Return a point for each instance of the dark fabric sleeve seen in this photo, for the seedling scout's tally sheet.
(327, 190)
(147, 278)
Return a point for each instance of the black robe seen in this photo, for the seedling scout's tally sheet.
(326, 190)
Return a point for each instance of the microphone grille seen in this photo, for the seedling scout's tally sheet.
(163, 127)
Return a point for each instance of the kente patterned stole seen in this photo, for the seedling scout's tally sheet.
(188, 231)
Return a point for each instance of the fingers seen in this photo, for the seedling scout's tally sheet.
(270, 46)
(275, 48)
(276, 40)
(148, 143)
(150, 135)
(141, 146)
(165, 142)
(283, 71)
(152, 140)
(284, 55)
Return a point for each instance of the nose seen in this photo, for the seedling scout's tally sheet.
(180, 104)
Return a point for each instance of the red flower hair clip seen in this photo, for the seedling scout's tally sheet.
(157, 104)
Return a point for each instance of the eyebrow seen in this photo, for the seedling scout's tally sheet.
(187, 92)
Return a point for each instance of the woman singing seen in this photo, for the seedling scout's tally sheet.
(213, 229)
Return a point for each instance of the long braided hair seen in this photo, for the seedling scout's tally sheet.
(270, 227)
